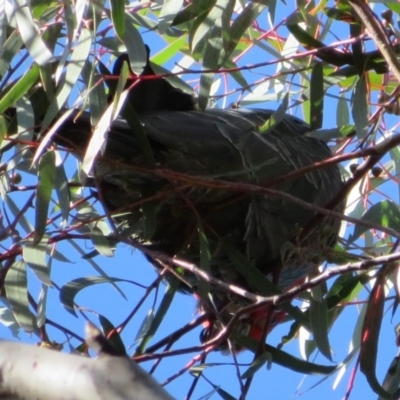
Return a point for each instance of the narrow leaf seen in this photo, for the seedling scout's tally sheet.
(145, 325)
(20, 88)
(149, 211)
(62, 191)
(8, 320)
(168, 13)
(46, 175)
(276, 117)
(285, 359)
(370, 335)
(391, 382)
(319, 325)
(212, 56)
(41, 306)
(205, 258)
(241, 24)
(342, 112)
(101, 243)
(159, 316)
(99, 138)
(72, 288)
(316, 96)
(15, 285)
(35, 256)
(193, 10)
(10, 47)
(135, 47)
(386, 214)
(112, 335)
(118, 17)
(30, 33)
(74, 68)
(256, 365)
(360, 108)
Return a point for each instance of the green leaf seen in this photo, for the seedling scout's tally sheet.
(257, 364)
(319, 323)
(51, 35)
(145, 325)
(276, 117)
(99, 137)
(15, 285)
(236, 75)
(241, 24)
(169, 10)
(97, 94)
(72, 288)
(22, 220)
(342, 112)
(41, 306)
(193, 10)
(165, 55)
(284, 359)
(8, 320)
(316, 96)
(394, 6)
(112, 335)
(25, 118)
(330, 56)
(339, 15)
(345, 288)
(46, 175)
(224, 394)
(9, 49)
(62, 191)
(357, 48)
(19, 88)
(304, 38)
(203, 24)
(35, 255)
(118, 16)
(119, 88)
(391, 382)
(30, 33)
(211, 60)
(135, 47)
(74, 68)
(370, 335)
(101, 243)
(360, 108)
(205, 259)
(40, 8)
(160, 314)
(385, 213)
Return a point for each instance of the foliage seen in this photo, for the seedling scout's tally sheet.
(54, 56)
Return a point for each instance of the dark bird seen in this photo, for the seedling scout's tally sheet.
(149, 93)
(165, 207)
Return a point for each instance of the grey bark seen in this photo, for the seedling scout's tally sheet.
(28, 372)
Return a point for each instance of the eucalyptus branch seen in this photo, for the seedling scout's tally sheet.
(378, 34)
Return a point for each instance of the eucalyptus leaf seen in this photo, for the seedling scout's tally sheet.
(15, 285)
